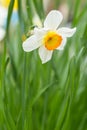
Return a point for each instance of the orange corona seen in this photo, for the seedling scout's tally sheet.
(52, 40)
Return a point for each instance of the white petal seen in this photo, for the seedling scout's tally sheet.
(61, 47)
(2, 34)
(45, 54)
(66, 32)
(31, 43)
(53, 20)
(39, 32)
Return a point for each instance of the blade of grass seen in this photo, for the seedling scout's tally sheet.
(39, 8)
(40, 92)
(29, 11)
(23, 93)
(10, 9)
(76, 9)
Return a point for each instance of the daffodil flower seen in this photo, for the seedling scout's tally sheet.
(48, 38)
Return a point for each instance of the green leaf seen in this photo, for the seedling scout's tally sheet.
(10, 9)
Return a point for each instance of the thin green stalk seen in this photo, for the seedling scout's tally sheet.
(76, 10)
(29, 125)
(3, 65)
(39, 8)
(6, 113)
(45, 111)
(9, 14)
(29, 11)
(20, 14)
(23, 92)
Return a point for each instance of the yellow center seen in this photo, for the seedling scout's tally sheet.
(6, 3)
(52, 40)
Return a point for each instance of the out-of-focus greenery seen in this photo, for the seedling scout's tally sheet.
(36, 96)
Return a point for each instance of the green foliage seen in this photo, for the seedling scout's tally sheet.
(36, 96)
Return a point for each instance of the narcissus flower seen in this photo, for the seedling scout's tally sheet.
(50, 37)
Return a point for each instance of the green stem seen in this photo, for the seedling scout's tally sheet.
(23, 92)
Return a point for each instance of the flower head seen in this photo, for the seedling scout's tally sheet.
(50, 37)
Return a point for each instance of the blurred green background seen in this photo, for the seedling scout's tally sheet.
(36, 96)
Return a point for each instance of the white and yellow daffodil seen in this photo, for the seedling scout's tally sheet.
(50, 37)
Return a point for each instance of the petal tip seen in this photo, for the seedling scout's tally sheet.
(53, 19)
(31, 44)
(73, 31)
(24, 46)
(43, 62)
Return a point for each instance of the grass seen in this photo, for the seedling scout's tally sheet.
(36, 96)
